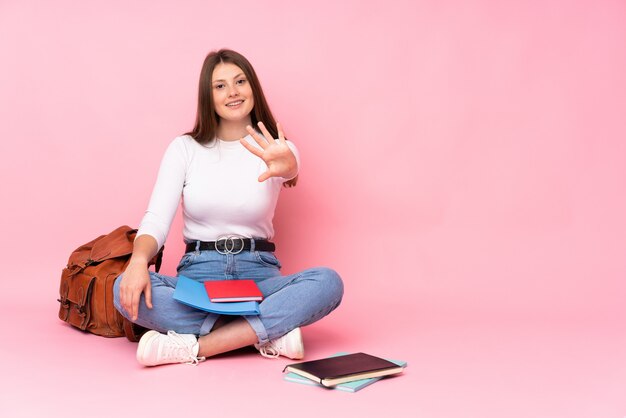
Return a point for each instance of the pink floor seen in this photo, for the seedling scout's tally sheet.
(464, 169)
(459, 366)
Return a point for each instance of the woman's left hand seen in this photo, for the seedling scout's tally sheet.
(275, 152)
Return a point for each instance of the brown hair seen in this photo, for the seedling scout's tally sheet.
(207, 120)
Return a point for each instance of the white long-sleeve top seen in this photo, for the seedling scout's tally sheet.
(219, 188)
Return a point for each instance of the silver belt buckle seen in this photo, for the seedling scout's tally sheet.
(229, 244)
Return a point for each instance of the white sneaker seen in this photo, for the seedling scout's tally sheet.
(156, 348)
(289, 345)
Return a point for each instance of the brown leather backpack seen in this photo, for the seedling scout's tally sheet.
(87, 285)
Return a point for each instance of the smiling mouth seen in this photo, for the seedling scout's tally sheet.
(234, 104)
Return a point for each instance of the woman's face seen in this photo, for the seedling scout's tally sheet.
(232, 95)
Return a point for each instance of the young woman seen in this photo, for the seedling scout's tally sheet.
(229, 171)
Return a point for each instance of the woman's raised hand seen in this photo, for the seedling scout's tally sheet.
(276, 153)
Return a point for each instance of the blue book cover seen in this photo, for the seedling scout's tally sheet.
(353, 386)
(193, 293)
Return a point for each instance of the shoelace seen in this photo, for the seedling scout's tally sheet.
(183, 349)
(269, 351)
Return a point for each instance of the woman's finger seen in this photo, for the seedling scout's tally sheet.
(264, 176)
(134, 307)
(263, 144)
(281, 135)
(251, 148)
(147, 293)
(266, 133)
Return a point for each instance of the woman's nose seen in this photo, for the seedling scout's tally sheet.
(233, 91)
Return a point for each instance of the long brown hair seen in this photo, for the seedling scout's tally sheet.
(207, 120)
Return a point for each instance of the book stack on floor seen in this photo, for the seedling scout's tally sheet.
(227, 297)
(343, 371)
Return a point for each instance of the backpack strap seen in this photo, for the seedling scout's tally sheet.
(158, 259)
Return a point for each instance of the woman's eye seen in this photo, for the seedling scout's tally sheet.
(219, 86)
(241, 81)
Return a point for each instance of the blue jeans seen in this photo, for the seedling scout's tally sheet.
(289, 301)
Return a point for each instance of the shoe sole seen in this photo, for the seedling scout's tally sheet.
(144, 342)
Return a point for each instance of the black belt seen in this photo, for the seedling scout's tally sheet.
(231, 245)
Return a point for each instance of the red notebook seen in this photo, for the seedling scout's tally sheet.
(233, 291)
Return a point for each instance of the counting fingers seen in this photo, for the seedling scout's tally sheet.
(262, 143)
(281, 135)
(251, 148)
(266, 133)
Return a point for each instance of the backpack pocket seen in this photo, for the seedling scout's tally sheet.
(75, 293)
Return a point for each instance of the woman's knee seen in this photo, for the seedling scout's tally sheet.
(330, 281)
(116, 294)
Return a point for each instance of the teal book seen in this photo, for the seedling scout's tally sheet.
(352, 386)
(193, 293)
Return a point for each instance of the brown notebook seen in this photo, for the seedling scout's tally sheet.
(332, 371)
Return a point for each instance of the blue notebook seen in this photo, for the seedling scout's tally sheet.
(193, 293)
(353, 386)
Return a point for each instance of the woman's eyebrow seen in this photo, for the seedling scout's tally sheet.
(237, 76)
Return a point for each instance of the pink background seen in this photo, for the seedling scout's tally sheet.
(464, 169)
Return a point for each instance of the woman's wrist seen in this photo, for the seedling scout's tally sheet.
(138, 261)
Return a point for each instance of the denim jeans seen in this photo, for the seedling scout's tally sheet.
(289, 301)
